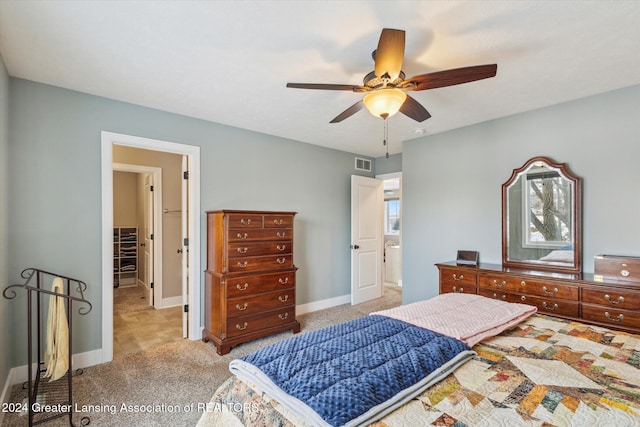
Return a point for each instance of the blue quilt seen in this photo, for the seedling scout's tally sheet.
(354, 372)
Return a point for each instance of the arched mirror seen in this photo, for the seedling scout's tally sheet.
(542, 218)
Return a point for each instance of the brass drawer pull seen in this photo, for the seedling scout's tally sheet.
(242, 287)
(548, 292)
(281, 247)
(501, 284)
(283, 280)
(618, 301)
(283, 316)
(242, 250)
(245, 221)
(523, 283)
(242, 236)
(460, 291)
(455, 276)
(548, 307)
(242, 264)
(285, 299)
(615, 319)
(243, 327)
(278, 221)
(280, 233)
(281, 260)
(504, 297)
(242, 308)
(523, 298)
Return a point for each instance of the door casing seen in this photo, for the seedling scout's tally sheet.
(108, 140)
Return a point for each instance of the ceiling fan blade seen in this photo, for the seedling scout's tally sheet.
(390, 53)
(323, 86)
(451, 77)
(413, 109)
(349, 112)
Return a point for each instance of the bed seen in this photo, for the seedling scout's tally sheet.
(535, 372)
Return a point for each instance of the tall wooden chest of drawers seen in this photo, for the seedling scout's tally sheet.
(250, 278)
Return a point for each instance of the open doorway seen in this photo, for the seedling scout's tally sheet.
(392, 256)
(187, 304)
(147, 290)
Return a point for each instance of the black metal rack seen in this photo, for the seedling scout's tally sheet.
(40, 390)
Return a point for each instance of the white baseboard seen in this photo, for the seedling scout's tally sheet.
(323, 304)
(20, 374)
(172, 301)
(4, 397)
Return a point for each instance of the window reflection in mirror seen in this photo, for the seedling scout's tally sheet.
(539, 216)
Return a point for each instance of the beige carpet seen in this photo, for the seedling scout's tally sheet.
(165, 386)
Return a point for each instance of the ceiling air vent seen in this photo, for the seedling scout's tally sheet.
(363, 164)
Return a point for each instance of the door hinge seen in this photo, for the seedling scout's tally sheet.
(151, 237)
(151, 284)
(185, 175)
(186, 308)
(151, 188)
(185, 241)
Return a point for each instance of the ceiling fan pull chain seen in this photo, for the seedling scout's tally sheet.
(386, 136)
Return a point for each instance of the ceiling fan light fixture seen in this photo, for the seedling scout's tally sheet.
(385, 102)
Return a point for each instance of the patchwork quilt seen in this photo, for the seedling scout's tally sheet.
(544, 372)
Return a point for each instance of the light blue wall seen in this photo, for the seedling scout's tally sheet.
(5, 330)
(452, 182)
(54, 199)
(390, 165)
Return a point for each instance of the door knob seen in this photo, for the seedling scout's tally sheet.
(354, 247)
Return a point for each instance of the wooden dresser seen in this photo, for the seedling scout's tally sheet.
(613, 304)
(250, 278)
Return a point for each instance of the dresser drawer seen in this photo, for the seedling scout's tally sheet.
(250, 285)
(532, 287)
(552, 305)
(248, 305)
(261, 263)
(458, 276)
(458, 288)
(250, 234)
(497, 282)
(545, 305)
(500, 295)
(612, 297)
(248, 324)
(612, 316)
(278, 221)
(244, 221)
(238, 249)
(549, 289)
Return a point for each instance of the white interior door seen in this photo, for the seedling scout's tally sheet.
(149, 222)
(367, 236)
(185, 246)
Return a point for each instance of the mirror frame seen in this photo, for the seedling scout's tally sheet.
(576, 218)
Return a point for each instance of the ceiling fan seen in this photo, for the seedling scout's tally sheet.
(386, 86)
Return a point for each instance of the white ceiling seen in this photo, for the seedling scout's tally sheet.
(229, 61)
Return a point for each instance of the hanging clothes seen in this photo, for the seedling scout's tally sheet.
(56, 355)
